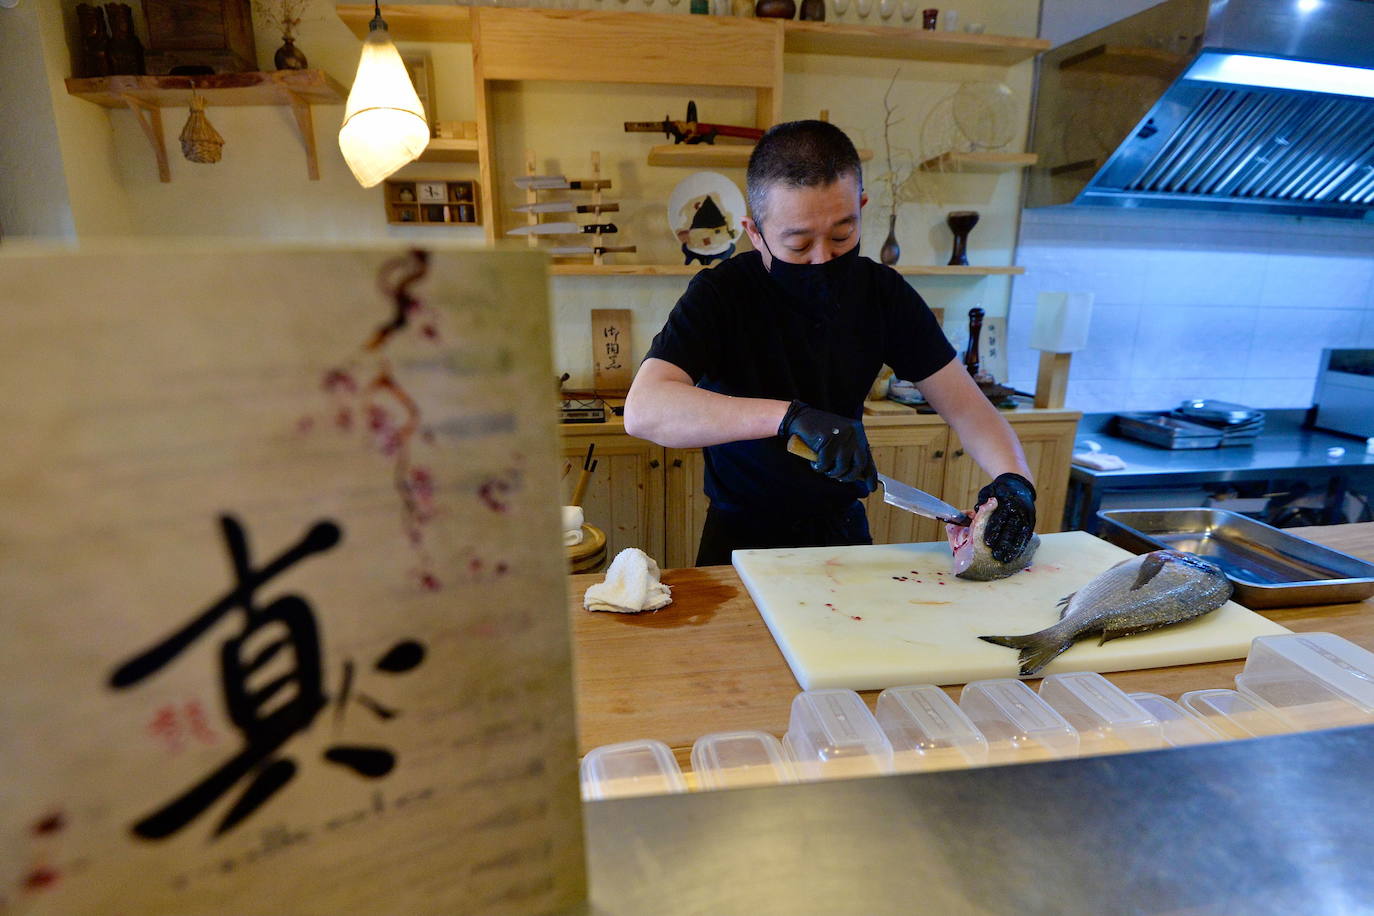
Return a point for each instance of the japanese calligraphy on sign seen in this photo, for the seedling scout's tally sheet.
(251, 663)
(612, 365)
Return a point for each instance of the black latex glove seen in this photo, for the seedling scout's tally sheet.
(840, 444)
(1013, 522)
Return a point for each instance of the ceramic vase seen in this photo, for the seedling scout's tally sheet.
(890, 251)
(813, 10)
(288, 56)
(961, 223)
(775, 9)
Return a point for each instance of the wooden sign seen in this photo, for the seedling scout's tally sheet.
(613, 366)
(282, 586)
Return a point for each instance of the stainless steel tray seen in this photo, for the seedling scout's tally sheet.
(1268, 566)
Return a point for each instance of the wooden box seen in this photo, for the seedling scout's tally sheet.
(428, 202)
(217, 34)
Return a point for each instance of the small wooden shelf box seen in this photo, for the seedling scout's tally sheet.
(428, 202)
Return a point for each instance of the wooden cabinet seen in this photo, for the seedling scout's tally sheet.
(916, 455)
(625, 495)
(650, 497)
(1048, 444)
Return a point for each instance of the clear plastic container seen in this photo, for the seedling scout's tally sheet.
(726, 760)
(1018, 725)
(928, 730)
(1232, 714)
(645, 767)
(1178, 726)
(832, 734)
(1314, 680)
(1107, 721)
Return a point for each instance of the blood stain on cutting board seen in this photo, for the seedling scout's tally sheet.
(706, 599)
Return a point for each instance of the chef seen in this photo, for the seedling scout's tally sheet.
(786, 340)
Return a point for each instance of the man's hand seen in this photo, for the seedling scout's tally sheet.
(1013, 521)
(840, 444)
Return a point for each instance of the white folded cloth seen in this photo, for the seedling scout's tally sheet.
(1097, 459)
(631, 585)
(572, 526)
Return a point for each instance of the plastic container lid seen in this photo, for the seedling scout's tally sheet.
(1178, 726)
(724, 760)
(832, 734)
(644, 767)
(1315, 680)
(1232, 714)
(1018, 725)
(1107, 721)
(928, 730)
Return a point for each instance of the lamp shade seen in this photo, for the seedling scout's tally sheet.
(384, 125)
(1061, 322)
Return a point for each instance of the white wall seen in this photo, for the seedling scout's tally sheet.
(1236, 308)
(33, 188)
(1065, 20)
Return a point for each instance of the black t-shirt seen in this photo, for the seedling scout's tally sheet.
(736, 332)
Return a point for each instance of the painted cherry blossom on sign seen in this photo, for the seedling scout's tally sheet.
(367, 399)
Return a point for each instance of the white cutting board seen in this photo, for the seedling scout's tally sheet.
(844, 617)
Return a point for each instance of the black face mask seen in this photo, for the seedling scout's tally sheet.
(819, 285)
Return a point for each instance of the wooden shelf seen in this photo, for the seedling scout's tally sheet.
(908, 44)
(1121, 60)
(686, 270)
(417, 22)
(978, 162)
(145, 96)
(454, 23)
(441, 150)
(702, 155)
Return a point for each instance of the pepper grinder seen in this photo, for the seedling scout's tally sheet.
(961, 223)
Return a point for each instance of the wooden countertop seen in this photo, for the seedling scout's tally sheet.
(707, 663)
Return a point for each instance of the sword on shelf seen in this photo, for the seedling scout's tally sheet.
(563, 229)
(691, 130)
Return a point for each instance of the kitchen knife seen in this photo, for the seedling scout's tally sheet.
(896, 493)
(558, 182)
(565, 206)
(568, 250)
(562, 229)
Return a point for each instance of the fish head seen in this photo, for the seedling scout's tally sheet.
(973, 558)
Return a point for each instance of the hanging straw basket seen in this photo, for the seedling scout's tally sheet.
(200, 142)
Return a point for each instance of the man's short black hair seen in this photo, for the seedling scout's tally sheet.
(799, 154)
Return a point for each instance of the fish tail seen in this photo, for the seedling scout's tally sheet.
(1037, 649)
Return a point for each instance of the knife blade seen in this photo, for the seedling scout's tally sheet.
(570, 250)
(562, 229)
(558, 182)
(565, 206)
(896, 493)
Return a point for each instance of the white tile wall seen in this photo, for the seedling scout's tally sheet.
(1226, 306)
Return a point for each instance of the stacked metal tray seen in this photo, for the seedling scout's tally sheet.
(1167, 431)
(1269, 567)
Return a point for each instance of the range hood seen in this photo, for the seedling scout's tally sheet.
(1251, 105)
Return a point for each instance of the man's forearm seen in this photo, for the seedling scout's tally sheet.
(678, 415)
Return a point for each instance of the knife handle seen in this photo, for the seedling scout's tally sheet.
(799, 448)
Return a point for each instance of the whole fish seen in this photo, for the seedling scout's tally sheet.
(1143, 593)
(973, 558)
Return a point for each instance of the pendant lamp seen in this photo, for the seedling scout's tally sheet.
(384, 124)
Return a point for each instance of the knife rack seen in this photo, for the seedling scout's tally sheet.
(595, 184)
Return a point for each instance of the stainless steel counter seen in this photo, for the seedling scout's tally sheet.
(1276, 825)
(1285, 448)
